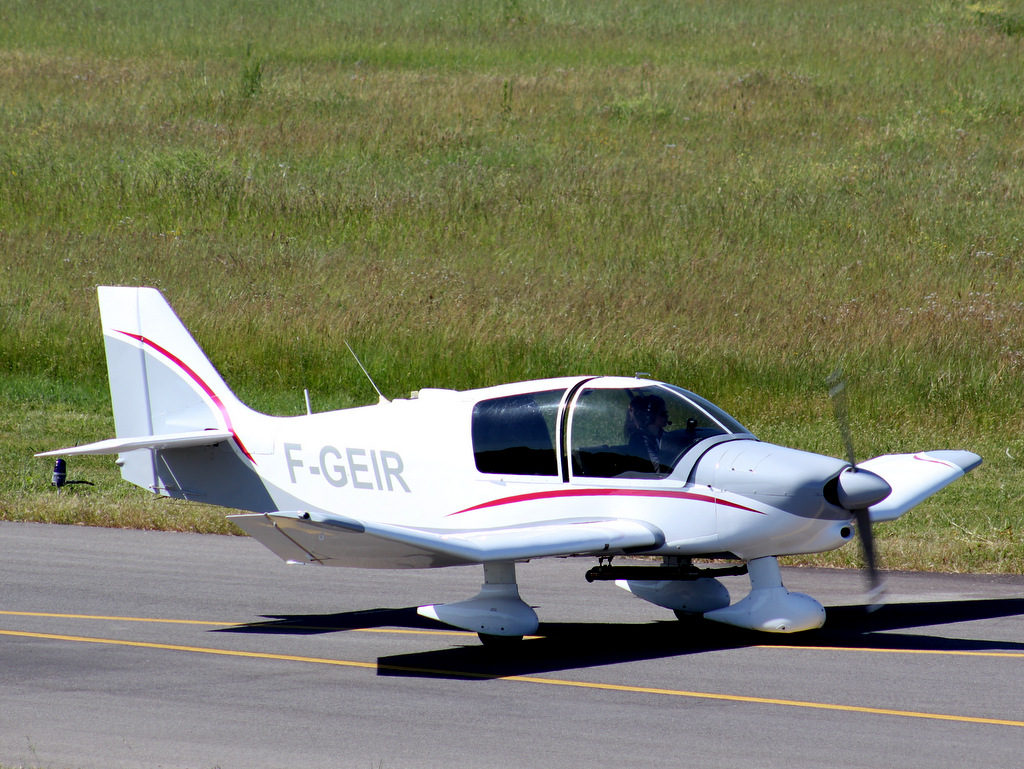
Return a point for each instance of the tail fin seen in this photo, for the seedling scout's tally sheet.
(174, 416)
(160, 380)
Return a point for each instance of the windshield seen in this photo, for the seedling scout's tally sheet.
(640, 432)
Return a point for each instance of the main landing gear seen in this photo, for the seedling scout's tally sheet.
(497, 613)
(676, 584)
(501, 618)
(690, 591)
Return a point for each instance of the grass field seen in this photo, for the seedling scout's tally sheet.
(733, 196)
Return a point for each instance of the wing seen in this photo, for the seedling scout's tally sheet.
(915, 477)
(336, 541)
(157, 442)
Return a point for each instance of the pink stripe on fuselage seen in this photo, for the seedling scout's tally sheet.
(199, 381)
(560, 493)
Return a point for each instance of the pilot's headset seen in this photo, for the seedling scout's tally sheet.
(646, 408)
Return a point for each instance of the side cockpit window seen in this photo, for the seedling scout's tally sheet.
(640, 432)
(515, 435)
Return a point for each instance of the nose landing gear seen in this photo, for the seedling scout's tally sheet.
(769, 607)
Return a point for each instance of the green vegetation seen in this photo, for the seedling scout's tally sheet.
(734, 196)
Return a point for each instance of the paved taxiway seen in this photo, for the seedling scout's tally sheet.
(143, 649)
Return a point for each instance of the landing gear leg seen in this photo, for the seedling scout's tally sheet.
(769, 606)
(497, 613)
(688, 595)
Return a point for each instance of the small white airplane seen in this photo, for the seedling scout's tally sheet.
(589, 466)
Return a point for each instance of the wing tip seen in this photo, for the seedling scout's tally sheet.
(965, 460)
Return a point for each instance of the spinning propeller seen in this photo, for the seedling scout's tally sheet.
(858, 489)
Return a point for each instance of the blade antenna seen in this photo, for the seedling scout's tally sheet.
(876, 587)
(367, 374)
(305, 384)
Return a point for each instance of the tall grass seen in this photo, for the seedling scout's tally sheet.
(734, 196)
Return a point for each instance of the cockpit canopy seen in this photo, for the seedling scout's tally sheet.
(641, 430)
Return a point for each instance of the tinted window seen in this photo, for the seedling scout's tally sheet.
(514, 435)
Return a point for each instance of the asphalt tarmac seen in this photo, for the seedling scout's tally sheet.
(146, 649)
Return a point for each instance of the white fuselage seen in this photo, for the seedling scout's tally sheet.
(411, 463)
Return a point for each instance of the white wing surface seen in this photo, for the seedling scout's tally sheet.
(915, 477)
(335, 541)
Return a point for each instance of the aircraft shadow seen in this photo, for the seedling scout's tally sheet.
(577, 645)
(315, 624)
(571, 646)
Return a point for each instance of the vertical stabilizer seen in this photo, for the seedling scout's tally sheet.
(160, 380)
(161, 383)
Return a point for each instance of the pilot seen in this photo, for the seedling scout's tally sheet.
(646, 421)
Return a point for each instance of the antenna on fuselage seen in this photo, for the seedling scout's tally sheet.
(367, 373)
(305, 385)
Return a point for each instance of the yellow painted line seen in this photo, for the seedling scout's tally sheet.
(197, 649)
(267, 623)
(947, 652)
(409, 631)
(117, 619)
(771, 701)
(529, 679)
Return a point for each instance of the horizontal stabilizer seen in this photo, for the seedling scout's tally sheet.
(915, 477)
(337, 541)
(185, 440)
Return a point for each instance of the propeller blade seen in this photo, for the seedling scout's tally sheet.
(858, 490)
(876, 587)
(837, 392)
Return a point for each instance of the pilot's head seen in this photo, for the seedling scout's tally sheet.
(647, 413)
